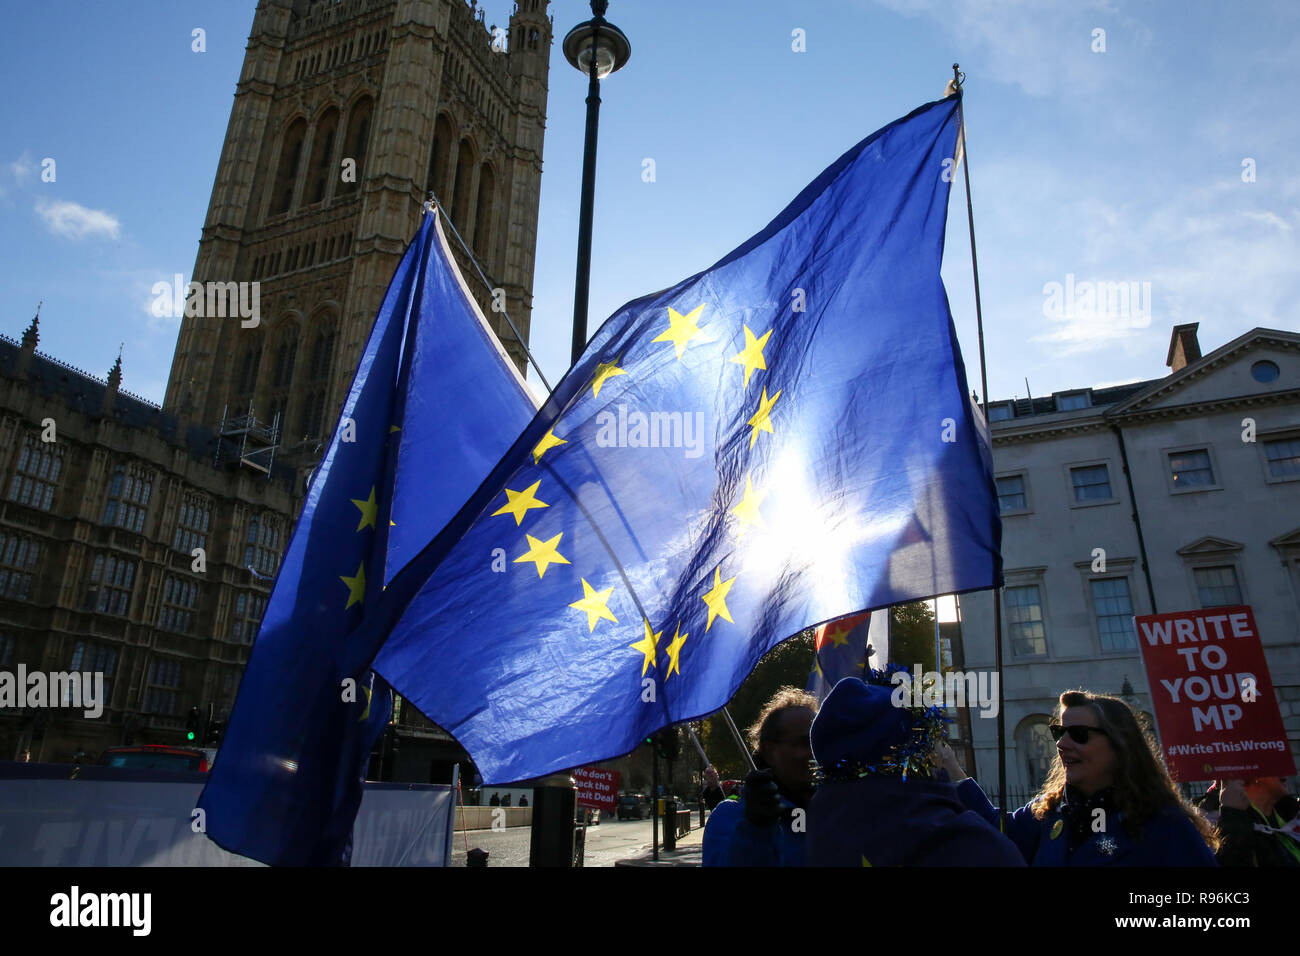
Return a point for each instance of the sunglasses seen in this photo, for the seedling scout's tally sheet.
(1078, 732)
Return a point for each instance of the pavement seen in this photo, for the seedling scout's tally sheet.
(689, 852)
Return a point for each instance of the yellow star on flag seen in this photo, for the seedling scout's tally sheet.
(356, 586)
(543, 553)
(369, 509)
(605, 370)
(366, 713)
(716, 599)
(762, 420)
(747, 512)
(674, 651)
(682, 330)
(548, 442)
(647, 647)
(751, 356)
(595, 603)
(518, 503)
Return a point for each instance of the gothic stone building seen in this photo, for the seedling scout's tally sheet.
(346, 115)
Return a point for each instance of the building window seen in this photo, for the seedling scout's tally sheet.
(111, 581)
(1091, 483)
(19, 556)
(163, 696)
(192, 525)
(1025, 621)
(249, 609)
(323, 151)
(1114, 609)
(1191, 469)
(356, 140)
(1283, 456)
(1072, 401)
(37, 475)
(287, 171)
(128, 499)
(95, 658)
(1001, 412)
(262, 548)
(180, 597)
(1265, 371)
(1217, 587)
(1034, 741)
(7, 645)
(1011, 493)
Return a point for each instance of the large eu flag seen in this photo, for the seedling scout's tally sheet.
(287, 783)
(783, 439)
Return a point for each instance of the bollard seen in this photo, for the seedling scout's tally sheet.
(555, 803)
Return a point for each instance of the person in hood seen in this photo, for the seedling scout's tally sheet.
(1107, 801)
(767, 826)
(879, 801)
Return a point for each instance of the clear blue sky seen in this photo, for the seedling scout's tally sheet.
(1117, 166)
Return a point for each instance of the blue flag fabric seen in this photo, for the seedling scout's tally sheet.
(287, 784)
(783, 439)
(845, 648)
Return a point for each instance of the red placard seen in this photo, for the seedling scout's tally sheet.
(597, 788)
(1214, 700)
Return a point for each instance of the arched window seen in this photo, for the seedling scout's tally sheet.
(312, 410)
(358, 136)
(287, 172)
(440, 157)
(460, 196)
(322, 153)
(483, 217)
(1036, 750)
(246, 381)
(285, 354)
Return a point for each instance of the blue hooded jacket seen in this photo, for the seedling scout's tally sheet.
(1168, 838)
(731, 840)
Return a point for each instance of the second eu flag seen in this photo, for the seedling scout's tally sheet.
(783, 439)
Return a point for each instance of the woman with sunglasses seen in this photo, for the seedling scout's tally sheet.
(1107, 801)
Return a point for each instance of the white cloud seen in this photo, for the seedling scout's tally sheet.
(74, 221)
(23, 168)
(1042, 46)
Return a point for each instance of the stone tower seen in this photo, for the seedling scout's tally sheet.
(347, 113)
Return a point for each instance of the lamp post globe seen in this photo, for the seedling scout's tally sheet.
(611, 45)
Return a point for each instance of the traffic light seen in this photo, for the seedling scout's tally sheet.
(215, 730)
(666, 743)
(193, 724)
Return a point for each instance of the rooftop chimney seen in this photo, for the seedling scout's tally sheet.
(1183, 347)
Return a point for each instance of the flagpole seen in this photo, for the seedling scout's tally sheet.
(442, 211)
(957, 77)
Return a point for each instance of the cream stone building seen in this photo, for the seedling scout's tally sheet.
(347, 113)
(1188, 485)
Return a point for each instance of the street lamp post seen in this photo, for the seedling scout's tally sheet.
(596, 48)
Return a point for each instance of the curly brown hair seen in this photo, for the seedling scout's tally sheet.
(1142, 783)
(765, 725)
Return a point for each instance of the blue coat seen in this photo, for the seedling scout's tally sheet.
(1168, 839)
(731, 840)
(887, 821)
